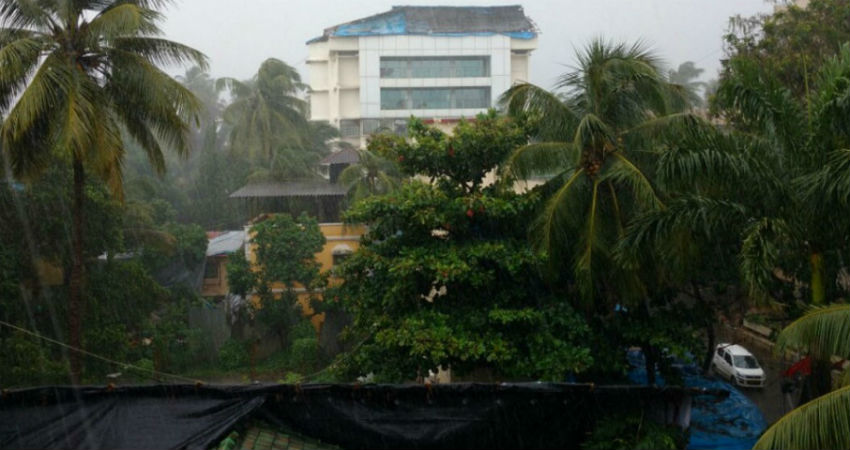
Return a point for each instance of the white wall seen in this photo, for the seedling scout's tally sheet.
(348, 86)
(497, 47)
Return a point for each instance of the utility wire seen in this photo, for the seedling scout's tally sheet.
(96, 356)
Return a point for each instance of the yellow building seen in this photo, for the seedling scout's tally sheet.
(219, 248)
(340, 241)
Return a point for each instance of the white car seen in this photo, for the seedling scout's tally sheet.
(738, 365)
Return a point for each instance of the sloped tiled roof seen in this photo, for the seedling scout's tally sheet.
(440, 20)
(344, 156)
(308, 188)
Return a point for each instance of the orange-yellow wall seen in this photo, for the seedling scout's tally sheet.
(215, 287)
(335, 234)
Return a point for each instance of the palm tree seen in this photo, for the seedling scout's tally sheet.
(77, 74)
(373, 175)
(685, 77)
(269, 121)
(800, 219)
(594, 135)
(822, 422)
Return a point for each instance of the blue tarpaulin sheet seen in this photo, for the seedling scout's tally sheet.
(381, 25)
(396, 24)
(735, 423)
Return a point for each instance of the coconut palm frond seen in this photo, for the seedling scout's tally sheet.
(547, 111)
(760, 251)
(822, 331)
(695, 215)
(557, 218)
(584, 265)
(267, 117)
(623, 171)
(543, 158)
(819, 424)
(829, 186)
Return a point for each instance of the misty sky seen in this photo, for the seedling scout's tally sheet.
(238, 36)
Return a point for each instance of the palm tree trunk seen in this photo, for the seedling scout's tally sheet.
(709, 351)
(817, 286)
(75, 300)
(710, 333)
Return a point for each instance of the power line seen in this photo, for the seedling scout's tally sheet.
(96, 356)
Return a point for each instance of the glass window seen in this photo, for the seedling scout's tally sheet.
(430, 98)
(211, 270)
(745, 362)
(349, 128)
(431, 68)
(472, 67)
(340, 258)
(394, 99)
(727, 358)
(371, 126)
(394, 68)
(436, 67)
(478, 97)
(435, 98)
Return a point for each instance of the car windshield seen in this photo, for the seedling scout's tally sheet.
(745, 362)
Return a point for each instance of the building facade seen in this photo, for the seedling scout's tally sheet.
(436, 63)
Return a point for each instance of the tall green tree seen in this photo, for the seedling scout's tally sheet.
(795, 226)
(445, 277)
(286, 250)
(75, 73)
(792, 43)
(372, 175)
(687, 76)
(269, 121)
(594, 135)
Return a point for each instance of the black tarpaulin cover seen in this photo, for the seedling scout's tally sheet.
(464, 415)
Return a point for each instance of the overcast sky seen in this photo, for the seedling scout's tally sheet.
(238, 36)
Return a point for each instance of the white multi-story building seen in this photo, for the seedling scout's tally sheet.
(437, 63)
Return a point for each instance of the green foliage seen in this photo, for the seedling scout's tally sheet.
(593, 138)
(233, 354)
(286, 249)
(26, 361)
(373, 174)
(685, 77)
(269, 122)
(191, 242)
(444, 276)
(624, 432)
(819, 424)
(241, 279)
(822, 332)
(457, 160)
(792, 43)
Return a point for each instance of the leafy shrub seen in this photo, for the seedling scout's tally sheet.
(24, 361)
(304, 352)
(233, 354)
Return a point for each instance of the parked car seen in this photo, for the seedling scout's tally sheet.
(738, 365)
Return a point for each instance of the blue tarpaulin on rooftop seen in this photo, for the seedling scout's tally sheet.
(732, 423)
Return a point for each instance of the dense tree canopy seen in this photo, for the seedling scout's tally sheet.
(75, 75)
(444, 276)
(596, 137)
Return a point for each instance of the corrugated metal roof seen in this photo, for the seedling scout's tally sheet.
(440, 20)
(290, 189)
(344, 156)
(226, 243)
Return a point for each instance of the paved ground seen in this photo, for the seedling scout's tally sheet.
(769, 399)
